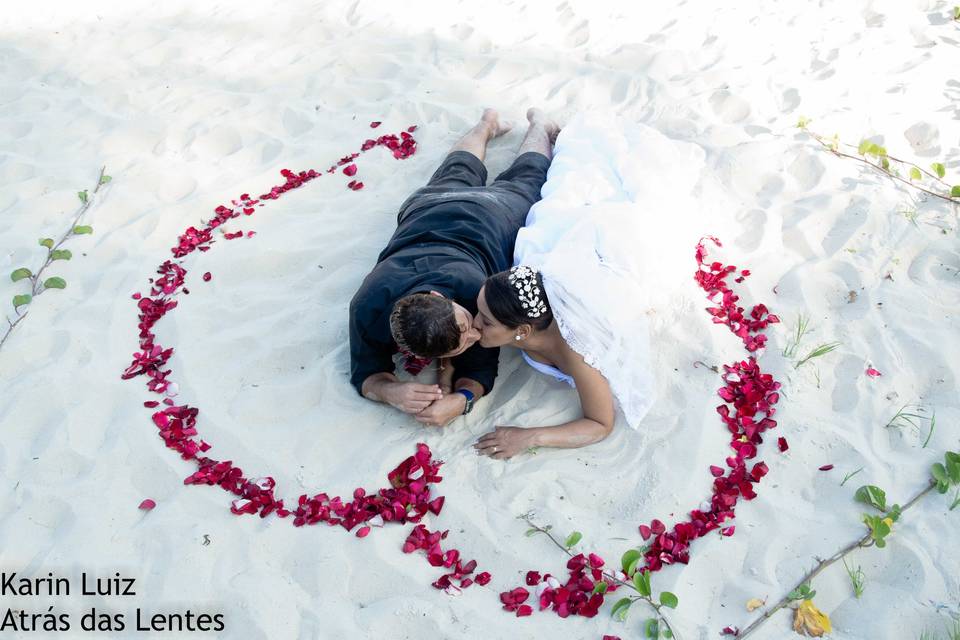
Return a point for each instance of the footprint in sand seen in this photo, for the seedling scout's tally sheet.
(936, 265)
(845, 396)
(807, 170)
(175, 187)
(924, 137)
(728, 107)
(216, 143)
(846, 225)
(789, 101)
(15, 130)
(856, 298)
(754, 221)
(294, 123)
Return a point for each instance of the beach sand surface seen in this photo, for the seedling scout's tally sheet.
(189, 104)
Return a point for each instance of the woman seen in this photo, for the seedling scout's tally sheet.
(588, 261)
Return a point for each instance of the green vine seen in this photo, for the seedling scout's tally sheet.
(36, 279)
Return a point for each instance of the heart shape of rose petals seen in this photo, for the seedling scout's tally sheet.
(410, 496)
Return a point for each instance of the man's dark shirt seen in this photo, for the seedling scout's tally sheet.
(449, 240)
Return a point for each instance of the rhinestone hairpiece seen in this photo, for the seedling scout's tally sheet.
(524, 280)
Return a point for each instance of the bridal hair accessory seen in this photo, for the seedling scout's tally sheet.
(524, 279)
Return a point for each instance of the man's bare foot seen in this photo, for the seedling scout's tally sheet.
(494, 125)
(537, 117)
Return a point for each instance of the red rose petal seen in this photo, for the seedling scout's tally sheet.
(147, 504)
(782, 443)
(362, 532)
(524, 610)
(375, 124)
(716, 471)
(873, 373)
(207, 276)
(350, 170)
(826, 467)
(730, 631)
(645, 532)
(482, 578)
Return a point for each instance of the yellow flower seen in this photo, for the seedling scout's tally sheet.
(810, 621)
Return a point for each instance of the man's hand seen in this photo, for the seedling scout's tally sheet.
(443, 411)
(410, 397)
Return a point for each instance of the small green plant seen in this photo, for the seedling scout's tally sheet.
(856, 578)
(929, 181)
(38, 284)
(817, 352)
(850, 475)
(800, 330)
(911, 415)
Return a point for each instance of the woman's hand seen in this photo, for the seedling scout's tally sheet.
(504, 442)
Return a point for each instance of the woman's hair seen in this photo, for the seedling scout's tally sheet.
(425, 325)
(505, 305)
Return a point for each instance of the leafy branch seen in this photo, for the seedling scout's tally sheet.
(877, 158)
(943, 477)
(39, 284)
(639, 582)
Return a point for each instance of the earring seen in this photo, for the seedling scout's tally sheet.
(517, 337)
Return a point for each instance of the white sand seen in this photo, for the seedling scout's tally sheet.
(190, 106)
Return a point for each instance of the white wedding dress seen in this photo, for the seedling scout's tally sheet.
(594, 238)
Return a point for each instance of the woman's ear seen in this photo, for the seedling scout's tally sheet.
(524, 331)
(436, 293)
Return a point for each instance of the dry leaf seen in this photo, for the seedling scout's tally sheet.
(810, 621)
(754, 603)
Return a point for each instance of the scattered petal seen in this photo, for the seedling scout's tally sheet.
(147, 504)
(826, 467)
(754, 603)
(873, 373)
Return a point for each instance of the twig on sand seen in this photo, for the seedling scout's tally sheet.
(37, 284)
(863, 542)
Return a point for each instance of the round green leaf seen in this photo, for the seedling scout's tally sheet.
(55, 283)
(652, 630)
(105, 179)
(574, 538)
(939, 473)
(955, 191)
(641, 581)
(82, 195)
(629, 561)
(61, 254)
(668, 599)
(20, 274)
(46, 242)
(939, 169)
(864, 147)
(21, 300)
(915, 173)
(621, 608)
(82, 229)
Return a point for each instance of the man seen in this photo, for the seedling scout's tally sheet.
(420, 298)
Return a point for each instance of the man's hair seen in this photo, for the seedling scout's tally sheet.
(425, 325)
